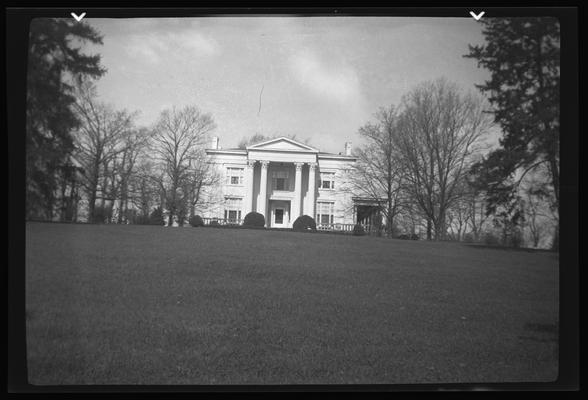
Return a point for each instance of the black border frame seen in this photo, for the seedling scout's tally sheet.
(17, 23)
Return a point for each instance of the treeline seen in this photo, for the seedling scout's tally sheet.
(424, 165)
(86, 160)
(425, 160)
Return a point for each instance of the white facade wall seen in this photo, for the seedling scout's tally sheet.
(282, 156)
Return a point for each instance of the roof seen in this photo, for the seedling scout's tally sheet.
(337, 156)
(282, 143)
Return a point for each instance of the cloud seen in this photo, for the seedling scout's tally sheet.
(339, 83)
(156, 47)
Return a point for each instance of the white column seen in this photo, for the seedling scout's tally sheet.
(262, 199)
(248, 206)
(297, 201)
(311, 190)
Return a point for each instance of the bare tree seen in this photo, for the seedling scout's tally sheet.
(124, 168)
(458, 216)
(378, 173)
(439, 130)
(178, 144)
(540, 214)
(143, 189)
(477, 216)
(203, 175)
(98, 141)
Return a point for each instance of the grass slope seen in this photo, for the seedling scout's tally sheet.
(155, 305)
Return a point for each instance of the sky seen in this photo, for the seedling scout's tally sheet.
(319, 78)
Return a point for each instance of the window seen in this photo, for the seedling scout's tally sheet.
(234, 176)
(233, 209)
(280, 180)
(325, 212)
(327, 180)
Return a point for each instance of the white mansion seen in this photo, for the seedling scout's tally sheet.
(281, 179)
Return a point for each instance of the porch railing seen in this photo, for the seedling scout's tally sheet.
(347, 228)
(343, 228)
(222, 221)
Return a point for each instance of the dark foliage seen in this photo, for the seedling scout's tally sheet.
(196, 221)
(304, 223)
(49, 118)
(254, 219)
(468, 238)
(358, 230)
(523, 57)
(141, 220)
(407, 236)
(491, 239)
(100, 214)
(156, 217)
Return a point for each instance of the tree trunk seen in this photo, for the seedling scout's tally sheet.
(69, 212)
(555, 243)
(555, 178)
(429, 229)
(62, 216)
(126, 208)
(75, 203)
(121, 202)
(49, 207)
(172, 211)
(440, 228)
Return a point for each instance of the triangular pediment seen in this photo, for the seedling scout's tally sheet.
(282, 144)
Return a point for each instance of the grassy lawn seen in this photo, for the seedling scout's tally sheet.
(154, 305)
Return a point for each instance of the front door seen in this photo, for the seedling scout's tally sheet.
(279, 214)
(279, 217)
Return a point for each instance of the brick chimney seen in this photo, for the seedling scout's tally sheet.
(214, 143)
(347, 148)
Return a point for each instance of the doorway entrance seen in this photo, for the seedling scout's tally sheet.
(279, 212)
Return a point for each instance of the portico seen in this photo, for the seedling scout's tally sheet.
(280, 191)
(280, 179)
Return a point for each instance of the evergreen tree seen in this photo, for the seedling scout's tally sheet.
(523, 57)
(53, 64)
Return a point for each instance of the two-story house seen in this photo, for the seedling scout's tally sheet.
(281, 179)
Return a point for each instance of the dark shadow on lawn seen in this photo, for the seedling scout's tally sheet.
(542, 328)
(497, 247)
(544, 333)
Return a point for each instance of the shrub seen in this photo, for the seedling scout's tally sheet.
(358, 230)
(99, 215)
(214, 222)
(141, 220)
(394, 231)
(491, 239)
(156, 217)
(304, 223)
(254, 219)
(414, 236)
(196, 221)
(516, 239)
(404, 236)
(468, 237)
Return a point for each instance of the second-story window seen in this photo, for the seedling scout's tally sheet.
(234, 176)
(280, 180)
(327, 180)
